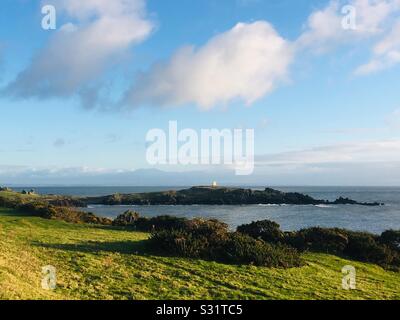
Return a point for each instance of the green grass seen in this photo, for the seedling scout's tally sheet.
(96, 262)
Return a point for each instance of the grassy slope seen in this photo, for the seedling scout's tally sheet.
(102, 263)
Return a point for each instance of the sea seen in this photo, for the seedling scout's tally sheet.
(290, 217)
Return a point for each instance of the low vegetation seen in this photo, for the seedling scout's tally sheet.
(174, 258)
(383, 250)
(211, 240)
(135, 221)
(262, 243)
(57, 208)
(108, 262)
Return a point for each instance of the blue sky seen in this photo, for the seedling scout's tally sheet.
(74, 109)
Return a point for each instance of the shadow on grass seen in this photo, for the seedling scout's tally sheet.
(9, 212)
(123, 247)
(115, 228)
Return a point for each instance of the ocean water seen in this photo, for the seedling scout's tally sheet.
(290, 217)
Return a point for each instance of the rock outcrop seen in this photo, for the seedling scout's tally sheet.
(216, 196)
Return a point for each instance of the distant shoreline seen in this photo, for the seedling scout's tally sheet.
(208, 195)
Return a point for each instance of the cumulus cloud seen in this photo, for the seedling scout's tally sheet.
(386, 53)
(249, 61)
(376, 20)
(329, 27)
(246, 63)
(80, 52)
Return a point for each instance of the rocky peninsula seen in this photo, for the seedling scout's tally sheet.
(217, 196)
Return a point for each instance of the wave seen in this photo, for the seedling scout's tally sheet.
(269, 205)
(324, 206)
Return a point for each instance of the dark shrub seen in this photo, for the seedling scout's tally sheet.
(211, 228)
(391, 238)
(319, 239)
(197, 238)
(143, 224)
(180, 243)
(266, 230)
(243, 249)
(159, 223)
(364, 247)
(211, 240)
(128, 218)
(44, 210)
(37, 209)
(355, 245)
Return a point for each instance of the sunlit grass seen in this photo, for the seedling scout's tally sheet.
(96, 262)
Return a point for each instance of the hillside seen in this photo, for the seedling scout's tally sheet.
(102, 262)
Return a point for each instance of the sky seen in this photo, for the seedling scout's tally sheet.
(317, 80)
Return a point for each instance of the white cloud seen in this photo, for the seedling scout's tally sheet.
(363, 152)
(393, 119)
(249, 61)
(80, 52)
(246, 63)
(324, 29)
(372, 15)
(386, 53)
(376, 20)
(364, 163)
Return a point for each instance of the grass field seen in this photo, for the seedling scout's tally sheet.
(95, 262)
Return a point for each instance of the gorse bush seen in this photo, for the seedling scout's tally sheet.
(365, 247)
(158, 223)
(47, 211)
(211, 240)
(317, 239)
(197, 238)
(128, 218)
(166, 222)
(67, 214)
(263, 243)
(266, 230)
(41, 207)
(180, 243)
(210, 228)
(383, 250)
(242, 249)
(391, 238)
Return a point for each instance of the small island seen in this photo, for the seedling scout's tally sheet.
(214, 195)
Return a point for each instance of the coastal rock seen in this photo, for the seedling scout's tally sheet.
(216, 196)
